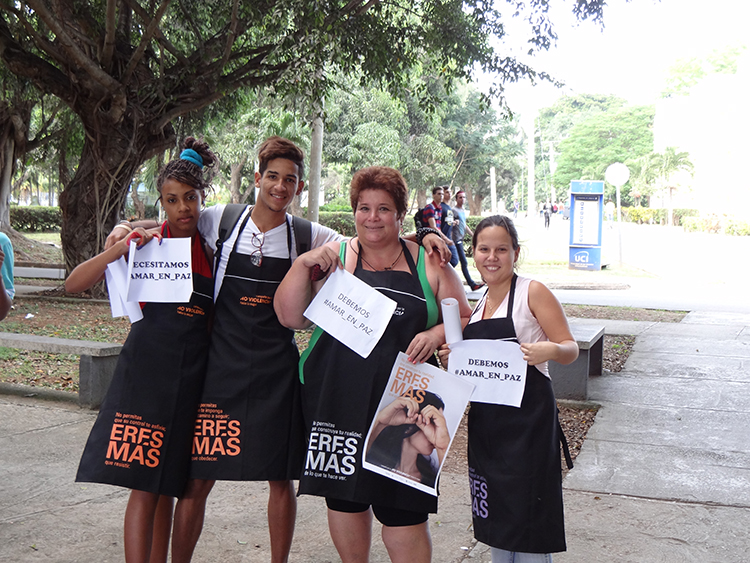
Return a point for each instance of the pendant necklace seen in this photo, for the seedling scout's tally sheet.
(362, 255)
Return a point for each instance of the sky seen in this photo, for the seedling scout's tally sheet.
(631, 56)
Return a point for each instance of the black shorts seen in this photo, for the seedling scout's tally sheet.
(386, 515)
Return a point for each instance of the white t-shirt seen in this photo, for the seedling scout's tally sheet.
(274, 241)
(524, 321)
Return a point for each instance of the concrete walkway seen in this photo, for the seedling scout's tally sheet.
(663, 476)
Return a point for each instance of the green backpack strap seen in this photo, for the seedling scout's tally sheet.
(432, 307)
(318, 331)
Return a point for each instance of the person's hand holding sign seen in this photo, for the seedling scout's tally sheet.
(539, 352)
(423, 346)
(141, 236)
(320, 262)
(94, 268)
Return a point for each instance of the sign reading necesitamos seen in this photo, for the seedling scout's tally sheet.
(160, 273)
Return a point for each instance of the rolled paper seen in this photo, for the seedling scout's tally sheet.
(452, 320)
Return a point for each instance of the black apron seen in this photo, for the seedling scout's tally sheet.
(142, 436)
(249, 425)
(342, 390)
(514, 460)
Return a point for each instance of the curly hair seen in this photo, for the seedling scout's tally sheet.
(186, 171)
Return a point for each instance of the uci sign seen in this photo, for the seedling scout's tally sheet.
(581, 257)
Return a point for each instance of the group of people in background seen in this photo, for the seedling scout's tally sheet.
(222, 394)
(451, 221)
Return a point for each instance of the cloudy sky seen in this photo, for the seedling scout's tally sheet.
(631, 56)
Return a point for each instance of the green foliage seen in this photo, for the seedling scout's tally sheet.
(679, 216)
(336, 208)
(341, 222)
(655, 215)
(555, 124)
(471, 222)
(717, 224)
(686, 73)
(640, 215)
(619, 135)
(35, 218)
(737, 227)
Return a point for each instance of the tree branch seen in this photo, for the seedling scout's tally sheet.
(153, 26)
(231, 34)
(108, 47)
(76, 56)
(159, 36)
(45, 76)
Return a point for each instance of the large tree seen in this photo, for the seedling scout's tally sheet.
(129, 68)
(620, 135)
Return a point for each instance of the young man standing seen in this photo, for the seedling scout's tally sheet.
(251, 383)
(448, 223)
(433, 211)
(459, 231)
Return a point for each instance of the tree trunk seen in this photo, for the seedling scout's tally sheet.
(138, 204)
(93, 201)
(475, 202)
(6, 180)
(313, 177)
(235, 181)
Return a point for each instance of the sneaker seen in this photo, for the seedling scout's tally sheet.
(477, 286)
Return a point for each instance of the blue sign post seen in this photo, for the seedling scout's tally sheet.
(586, 212)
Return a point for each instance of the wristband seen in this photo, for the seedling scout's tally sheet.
(124, 225)
(424, 231)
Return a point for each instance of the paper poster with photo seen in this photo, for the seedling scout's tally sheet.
(117, 282)
(160, 273)
(496, 367)
(351, 311)
(415, 423)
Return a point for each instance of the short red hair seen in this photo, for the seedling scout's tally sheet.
(381, 178)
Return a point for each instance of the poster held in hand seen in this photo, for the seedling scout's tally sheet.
(417, 418)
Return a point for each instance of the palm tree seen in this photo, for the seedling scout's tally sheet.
(663, 166)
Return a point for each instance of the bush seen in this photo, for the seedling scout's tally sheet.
(640, 215)
(659, 216)
(737, 227)
(340, 221)
(35, 218)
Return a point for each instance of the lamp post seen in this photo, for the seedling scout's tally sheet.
(618, 174)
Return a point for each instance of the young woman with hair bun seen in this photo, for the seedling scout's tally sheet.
(143, 435)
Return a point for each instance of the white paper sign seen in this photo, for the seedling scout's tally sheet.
(394, 449)
(160, 273)
(351, 311)
(496, 367)
(117, 280)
